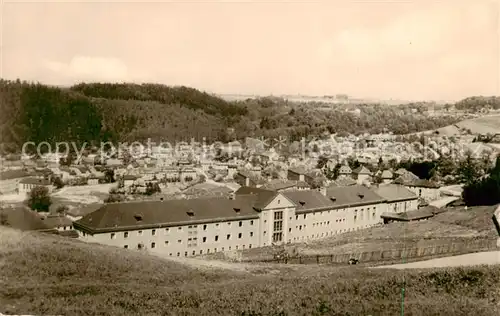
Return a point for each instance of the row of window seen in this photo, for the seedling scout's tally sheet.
(153, 231)
(153, 245)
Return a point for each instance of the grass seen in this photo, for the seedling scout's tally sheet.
(51, 275)
(457, 225)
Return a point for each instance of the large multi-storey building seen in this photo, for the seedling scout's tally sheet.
(251, 218)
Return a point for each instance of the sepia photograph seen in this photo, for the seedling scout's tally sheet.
(250, 158)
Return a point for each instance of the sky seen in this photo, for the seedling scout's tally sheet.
(409, 50)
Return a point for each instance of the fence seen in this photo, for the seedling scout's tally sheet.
(395, 254)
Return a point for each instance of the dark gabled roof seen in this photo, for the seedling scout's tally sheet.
(23, 219)
(308, 200)
(130, 177)
(298, 170)
(280, 185)
(125, 216)
(362, 170)
(13, 174)
(37, 181)
(394, 192)
(353, 195)
(263, 196)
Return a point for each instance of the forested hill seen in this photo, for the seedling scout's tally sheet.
(95, 112)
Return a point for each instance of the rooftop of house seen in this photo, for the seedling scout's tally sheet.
(298, 170)
(362, 170)
(386, 174)
(36, 181)
(13, 174)
(343, 182)
(421, 213)
(394, 192)
(420, 183)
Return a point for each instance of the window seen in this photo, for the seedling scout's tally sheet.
(112, 235)
(185, 254)
(125, 235)
(153, 245)
(178, 254)
(216, 238)
(167, 230)
(241, 223)
(279, 201)
(204, 239)
(228, 223)
(179, 241)
(228, 236)
(166, 242)
(204, 227)
(250, 246)
(180, 228)
(217, 225)
(193, 253)
(305, 216)
(251, 222)
(126, 246)
(239, 235)
(278, 226)
(251, 234)
(201, 252)
(139, 233)
(289, 230)
(296, 217)
(153, 232)
(236, 247)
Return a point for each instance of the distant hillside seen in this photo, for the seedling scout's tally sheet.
(480, 125)
(96, 112)
(50, 275)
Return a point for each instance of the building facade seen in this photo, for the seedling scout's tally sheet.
(251, 218)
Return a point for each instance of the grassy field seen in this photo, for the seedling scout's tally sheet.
(482, 125)
(54, 276)
(455, 225)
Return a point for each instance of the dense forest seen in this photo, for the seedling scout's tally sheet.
(95, 112)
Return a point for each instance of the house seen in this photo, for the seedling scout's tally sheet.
(23, 219)
(425, 189)
(345, 172)
(27, 184)
(244, 178)
(250, 218)
(297, 174)
(58, 222)
(399, 198)
(362, 174)
(129, 180)
(93, 179)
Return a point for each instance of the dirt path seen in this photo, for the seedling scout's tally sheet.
(471, 259)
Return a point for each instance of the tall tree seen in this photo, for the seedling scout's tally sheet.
(39, 199)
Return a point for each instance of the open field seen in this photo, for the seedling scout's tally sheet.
(471, 259)
(85, 194)
(480, 125)
(43, 274)
(456, 226)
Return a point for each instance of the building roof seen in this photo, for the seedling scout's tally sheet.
(36, 181)
(150, 214)
(353, 195)
(394, 193)
(308, 200)
(386, 174)
(298, 170)
(345, 170)
(422, 213)
(13, 174)
(362, 170)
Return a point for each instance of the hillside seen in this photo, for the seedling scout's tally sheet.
(42, 274)
(95, 112)
(482, 125)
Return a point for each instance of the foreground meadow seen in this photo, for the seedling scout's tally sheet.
(50, 275)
